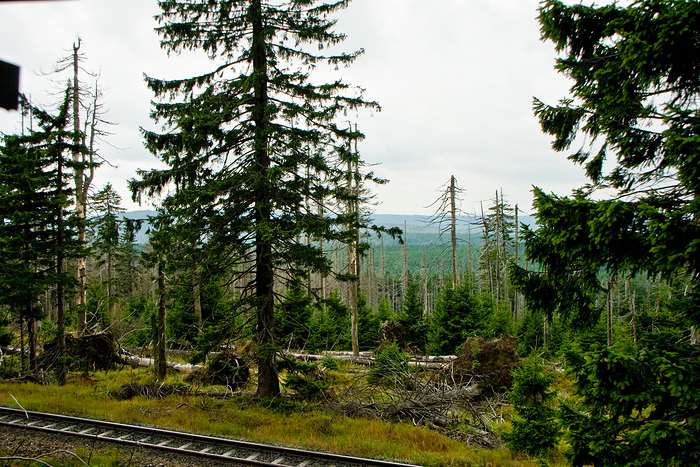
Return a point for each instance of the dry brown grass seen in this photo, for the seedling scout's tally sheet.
(236, 417)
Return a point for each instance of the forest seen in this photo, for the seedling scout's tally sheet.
(579, 323)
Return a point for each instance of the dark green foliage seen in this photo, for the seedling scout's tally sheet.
(501, 322)
(331, 325)
(385, 312)
(306, 379)
(32, 195)
(137, 330)
(531, 334)
(368, 325)
(308, 388)
(226, 369)
(568, 282)
(294, 318)
(634, 98)
(459, 313)
(329, 363)
(37, 233)
(411, 319)
(535, 429)
(636, 409)
(635, 78)
(185, 325)
(6, 334)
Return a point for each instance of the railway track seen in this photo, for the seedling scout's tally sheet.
(220, 449)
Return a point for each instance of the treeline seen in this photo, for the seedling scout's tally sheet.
(406, 296)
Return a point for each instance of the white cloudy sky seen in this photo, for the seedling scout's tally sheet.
(455, 79)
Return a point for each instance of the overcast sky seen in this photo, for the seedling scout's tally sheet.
(455, 79)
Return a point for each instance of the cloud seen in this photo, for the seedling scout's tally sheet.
(455, 80)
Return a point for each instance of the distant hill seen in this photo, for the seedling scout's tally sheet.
(141, 236)
(143, 214)
(419, 223)
(418, 228)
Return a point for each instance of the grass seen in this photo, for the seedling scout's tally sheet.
(238, 418)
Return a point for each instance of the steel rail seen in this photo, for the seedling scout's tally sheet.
(222, 449)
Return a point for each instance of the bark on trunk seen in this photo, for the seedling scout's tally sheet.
(453, 230)
(268, 380)
(80, 200)
(159, 328)
(61, 367)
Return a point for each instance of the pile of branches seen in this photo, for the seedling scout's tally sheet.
(434, 399)
(226, 369)
(91, 352)
(152, 390)
(491, 362)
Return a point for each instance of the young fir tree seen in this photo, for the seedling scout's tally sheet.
(106, 206)
(368, 324)
(238, 142)
(294, 318)
(459, 313)
(411, 317)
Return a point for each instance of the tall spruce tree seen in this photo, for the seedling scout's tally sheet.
(636, 73)
(37, 233)
(238, 142)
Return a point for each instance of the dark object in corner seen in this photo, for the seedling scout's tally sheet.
(9, 86)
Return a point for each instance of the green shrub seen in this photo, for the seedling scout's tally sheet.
(535, 430)
(329, 363)
(390, 365)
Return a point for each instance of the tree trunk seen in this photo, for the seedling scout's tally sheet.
(321, 214)
(197, 292)
(516, 298)
(159, 341)
(353, 263)
(497, 268)
(268, 380)
(22, 357)
(80, 200)
(504, 256)
(383, 281)
(404, 279)
(453, 230)
(61, 366)
(609, 307)
(487, 248)
(31, 337)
